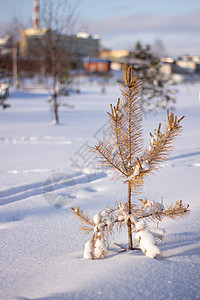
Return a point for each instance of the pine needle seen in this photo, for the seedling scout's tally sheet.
(173, 211)
(82, 217)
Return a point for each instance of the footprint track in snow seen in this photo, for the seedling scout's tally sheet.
(26, 191)
(91, 190)
(8, 221)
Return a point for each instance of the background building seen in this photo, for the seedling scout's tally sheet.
(96, 65)
(78, 46)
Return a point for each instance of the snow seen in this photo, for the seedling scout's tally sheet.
(147, 243)
(100, 248)
(46, 169)
(88, 251)
(96, 219)
(140, 225)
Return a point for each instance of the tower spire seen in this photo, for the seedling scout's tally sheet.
(35, 13)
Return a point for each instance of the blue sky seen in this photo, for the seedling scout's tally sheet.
(121, 23)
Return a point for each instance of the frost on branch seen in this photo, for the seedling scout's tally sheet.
(88, 251)
(147, 243)
(125, 155)
(102, 225)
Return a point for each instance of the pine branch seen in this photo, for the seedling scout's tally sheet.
(116, 117)
(178, 210)
(174, 211)
(83, 217)
(85, 229)
(163, 142)
(160, 146)
(108, 157)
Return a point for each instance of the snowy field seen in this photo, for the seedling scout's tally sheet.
(46, 169)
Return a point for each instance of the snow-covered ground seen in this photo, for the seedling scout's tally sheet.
(46, 169)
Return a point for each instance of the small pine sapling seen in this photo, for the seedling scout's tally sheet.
(123, 153)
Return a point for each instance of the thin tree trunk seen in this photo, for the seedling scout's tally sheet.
(55, 102)
(129, 184)
(55, 108)
(15, 67)
(130, 245)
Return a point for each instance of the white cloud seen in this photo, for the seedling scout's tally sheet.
(180, 32)
(147, 22)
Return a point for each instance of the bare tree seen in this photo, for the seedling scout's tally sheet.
(13, 29)
(58, 18)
